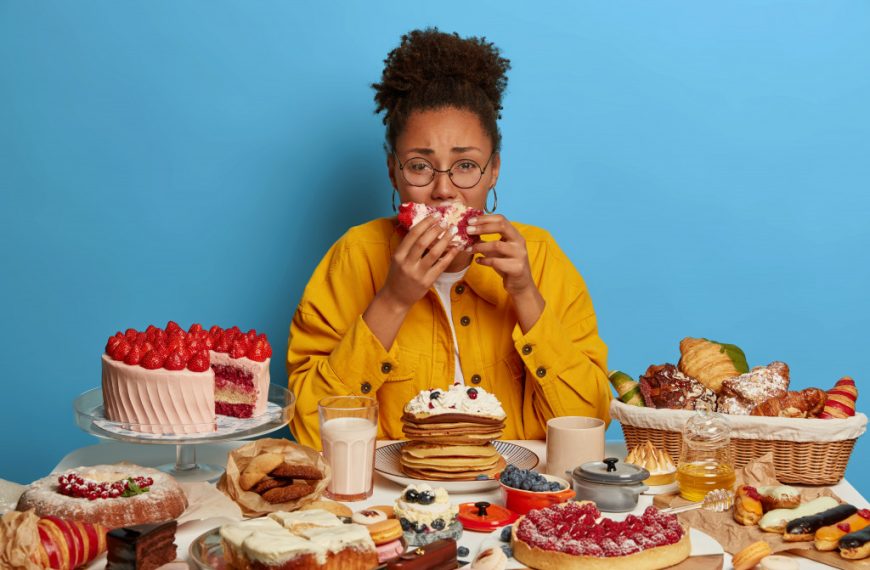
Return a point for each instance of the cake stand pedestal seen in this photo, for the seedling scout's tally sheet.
(90, 417)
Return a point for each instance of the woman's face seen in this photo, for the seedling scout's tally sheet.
(444, 137)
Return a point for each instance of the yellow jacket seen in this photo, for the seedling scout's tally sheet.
(558, 368)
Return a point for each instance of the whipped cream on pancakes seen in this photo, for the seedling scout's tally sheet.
(459, 399)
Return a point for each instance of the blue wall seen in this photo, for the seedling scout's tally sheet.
(705, 165)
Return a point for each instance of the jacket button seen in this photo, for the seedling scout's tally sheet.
(366, 387)
(465, 321)
(541, 372)
(460, 289)
(475, 379)
(386, 367)
(527, 349)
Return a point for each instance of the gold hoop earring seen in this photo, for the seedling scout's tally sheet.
(393, 196)
(486, 207)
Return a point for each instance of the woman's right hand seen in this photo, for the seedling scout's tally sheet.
(420, 258)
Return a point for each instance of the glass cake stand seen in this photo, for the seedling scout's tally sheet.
(90, 416)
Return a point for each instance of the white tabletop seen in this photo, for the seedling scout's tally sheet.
(385, 491)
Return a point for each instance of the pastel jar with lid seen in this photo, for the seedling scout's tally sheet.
(705, 456)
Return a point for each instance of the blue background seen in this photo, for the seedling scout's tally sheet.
(705, 165)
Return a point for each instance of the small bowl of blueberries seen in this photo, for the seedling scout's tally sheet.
(526, 489)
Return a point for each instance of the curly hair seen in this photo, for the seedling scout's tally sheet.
(433, 70)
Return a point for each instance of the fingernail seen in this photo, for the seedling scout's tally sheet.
(472, 220)
(471, 230)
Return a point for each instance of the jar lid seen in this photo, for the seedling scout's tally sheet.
(484, 517)
(610, 472)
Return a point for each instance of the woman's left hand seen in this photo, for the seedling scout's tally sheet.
(508, 256)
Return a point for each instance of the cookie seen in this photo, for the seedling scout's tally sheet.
(386, 509)
(385, 531)
(266, 484)
(258, 468)
(287, 493)
(297, 471)
(368, 516)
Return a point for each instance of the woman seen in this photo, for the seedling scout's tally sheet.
(387, 315)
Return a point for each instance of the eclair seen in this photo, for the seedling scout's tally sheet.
(805, 528)
(775, 521)
(856, 545)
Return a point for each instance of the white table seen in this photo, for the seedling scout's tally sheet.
(385, 491)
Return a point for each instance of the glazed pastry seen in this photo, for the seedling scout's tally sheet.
(776, 562)
(739, 395)
(779, 497)
(664, 386)
(657, 462)
(750, 556)
(807, 403)
(775, 521)
(856, 545)
(711, 362)
(805, 528)
(747, 505)
(828, 537)
(841, 400)
(626, 388)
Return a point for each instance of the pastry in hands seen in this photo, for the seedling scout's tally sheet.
(27, 541)
(711, 362)
(775, 520)
(452, 216)
(626, 388)
(828, 537)
(779, 497)
(664, 386)
(841, 400)
(740, 395)
(750, 556)
(747, 505)
(805, 528)
(807, 403)
(656, 461)
(856, 545)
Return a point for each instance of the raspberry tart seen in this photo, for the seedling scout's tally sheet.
(172, 381)
(452, 216)
(575, 535)
(110, 495)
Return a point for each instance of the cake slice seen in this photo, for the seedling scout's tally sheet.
(142, 547)
(452, 216)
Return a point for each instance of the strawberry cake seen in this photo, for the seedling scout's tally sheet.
(575, 535)
(172, 381)
(452, 216)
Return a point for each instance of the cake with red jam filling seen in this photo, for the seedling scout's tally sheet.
(451, 216)
(575, 535)
(172, 381)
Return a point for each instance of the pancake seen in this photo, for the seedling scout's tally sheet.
(435, 475)
(471, 463)
(427, 435)
(466, 439)
(420, 449)
(424, 418)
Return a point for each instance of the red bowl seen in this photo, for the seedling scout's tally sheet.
(521, 502)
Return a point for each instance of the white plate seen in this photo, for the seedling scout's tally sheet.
(387, 464)
(702, 545)
(662, 489)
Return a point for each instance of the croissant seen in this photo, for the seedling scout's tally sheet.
(28, 542)
(807, 403)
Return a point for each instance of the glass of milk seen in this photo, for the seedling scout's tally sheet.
(348, 430)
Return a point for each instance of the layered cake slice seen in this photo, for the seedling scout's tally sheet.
(172, 381)
(452, 216)
(143, 547)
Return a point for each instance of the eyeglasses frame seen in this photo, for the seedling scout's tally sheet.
(440, 171)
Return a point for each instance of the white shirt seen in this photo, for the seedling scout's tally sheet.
(443, 286)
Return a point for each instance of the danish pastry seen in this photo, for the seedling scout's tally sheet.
(747, 505)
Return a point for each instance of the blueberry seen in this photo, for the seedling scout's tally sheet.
(411, 495)
(438, 524)
(434, 395)
(508, 551)
(462, 551)
(505, 535)
(426, 498)
(406, 524)
(554, 486)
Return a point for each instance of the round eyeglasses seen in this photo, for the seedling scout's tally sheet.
(464, 173)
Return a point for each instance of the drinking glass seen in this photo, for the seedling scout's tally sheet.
(348, 430)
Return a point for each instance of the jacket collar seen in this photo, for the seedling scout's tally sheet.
(484, 280)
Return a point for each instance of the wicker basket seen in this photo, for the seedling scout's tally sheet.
(821, 460)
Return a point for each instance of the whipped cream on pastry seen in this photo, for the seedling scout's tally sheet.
(426, 514)
(659, 464)
(459, 399)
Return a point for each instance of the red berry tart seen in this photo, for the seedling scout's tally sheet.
(452, 216)
(176, 381)
(111, 495)
(574, 535)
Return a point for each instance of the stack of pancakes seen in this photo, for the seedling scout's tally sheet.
(452, 445)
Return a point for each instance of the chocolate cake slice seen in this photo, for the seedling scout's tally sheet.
(142, 547)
